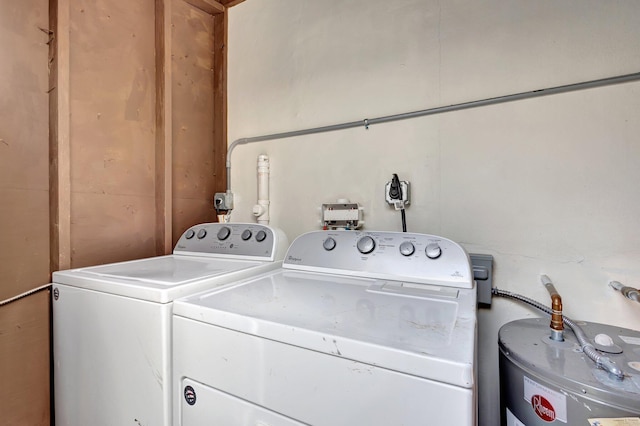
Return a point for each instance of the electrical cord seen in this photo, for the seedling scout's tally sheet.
(395, 192)
(25, 294)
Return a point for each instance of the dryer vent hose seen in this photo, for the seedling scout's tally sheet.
(601, 361)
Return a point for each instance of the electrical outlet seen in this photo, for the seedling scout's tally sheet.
(223, 201)
(392, 195)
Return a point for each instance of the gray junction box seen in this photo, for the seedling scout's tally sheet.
(543, 382)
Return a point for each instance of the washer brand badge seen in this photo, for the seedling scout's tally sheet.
(189, 395)
(294, 259)
(543, 408)
(56, 293)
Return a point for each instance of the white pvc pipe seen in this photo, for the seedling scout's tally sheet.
(261, 210)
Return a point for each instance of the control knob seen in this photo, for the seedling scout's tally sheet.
(202, 233)
(260, 236)
(224, 233)
(407, 248)
(329, 244)
(190, 234)
(366, 245)
(246, 234)
(433, 251)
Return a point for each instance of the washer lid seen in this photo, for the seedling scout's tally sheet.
(161, 279)
(427, 331)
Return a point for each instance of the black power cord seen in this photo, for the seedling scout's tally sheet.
(395, 193)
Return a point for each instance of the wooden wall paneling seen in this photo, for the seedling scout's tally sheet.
(209, 6)
(164, 243)
(231, 3)
(59, 150)
(112, 130)
(192, 115)
(24, 361)
(24, 212)
(24, 146)
(24, 252)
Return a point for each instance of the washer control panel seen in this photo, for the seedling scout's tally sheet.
(250, 240)
(412, 257)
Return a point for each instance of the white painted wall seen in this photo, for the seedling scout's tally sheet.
(548, 185)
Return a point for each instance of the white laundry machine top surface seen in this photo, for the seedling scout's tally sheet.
(206, 255)
(356, 302)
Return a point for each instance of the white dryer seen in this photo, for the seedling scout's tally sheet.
(356, 328)
(112, 323)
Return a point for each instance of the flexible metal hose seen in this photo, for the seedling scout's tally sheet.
(628, 292)
(600, 360)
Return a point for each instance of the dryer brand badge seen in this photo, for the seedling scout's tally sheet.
(294, 259)
(543, 408)
(189, 395)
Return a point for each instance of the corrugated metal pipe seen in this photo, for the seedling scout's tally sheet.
(628, 292)
(601, 361)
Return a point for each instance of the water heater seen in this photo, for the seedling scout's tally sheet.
(547, 382)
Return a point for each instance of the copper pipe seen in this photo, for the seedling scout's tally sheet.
(557, 323)
(556, 316)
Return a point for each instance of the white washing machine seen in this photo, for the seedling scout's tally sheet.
(112, 323)
(356, 328)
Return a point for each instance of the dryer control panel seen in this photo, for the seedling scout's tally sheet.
(237, 240)
(416, 258)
